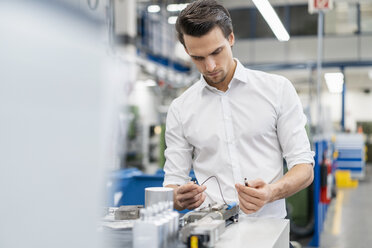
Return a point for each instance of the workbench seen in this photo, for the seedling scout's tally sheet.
(248, 232)
(256, 232)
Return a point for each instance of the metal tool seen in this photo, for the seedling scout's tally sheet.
(246, 182)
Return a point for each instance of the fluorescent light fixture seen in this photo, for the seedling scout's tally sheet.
(272, 19)
(153, 8)
(334, 81)
(176, 7)
(172, 19)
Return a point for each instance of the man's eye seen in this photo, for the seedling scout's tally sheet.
(216, 52)
(198, 58)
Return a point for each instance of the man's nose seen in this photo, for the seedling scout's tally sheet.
(210, 64)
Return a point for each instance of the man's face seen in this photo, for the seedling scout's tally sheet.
(212, 55)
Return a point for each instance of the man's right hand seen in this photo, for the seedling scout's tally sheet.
(188, 196)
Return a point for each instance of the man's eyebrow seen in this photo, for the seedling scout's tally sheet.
(218, 48)
(215, 51)
(197, 57)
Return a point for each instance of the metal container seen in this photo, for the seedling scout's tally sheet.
(158, 194)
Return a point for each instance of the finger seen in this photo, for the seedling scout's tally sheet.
(246, 211)
(247, 207)
(239, 186)
(256, 183)
(198, 203)
(193, 199)
(248, 198)
(246, 190)
(253, 192)
(188, 195)
(187, 187)
(201, 188)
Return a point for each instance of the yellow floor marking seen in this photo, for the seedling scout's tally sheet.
(338, 212)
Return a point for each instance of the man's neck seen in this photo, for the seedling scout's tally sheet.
(224, 85)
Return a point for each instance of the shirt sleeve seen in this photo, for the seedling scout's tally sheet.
(291, 128)
(178, 153)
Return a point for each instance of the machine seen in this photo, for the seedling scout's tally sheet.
(203, 227)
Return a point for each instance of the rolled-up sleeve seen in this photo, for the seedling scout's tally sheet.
(179, 152)
(291, 128)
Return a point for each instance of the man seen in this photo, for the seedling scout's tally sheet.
(234, 123)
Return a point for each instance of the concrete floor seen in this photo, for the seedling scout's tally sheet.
(349, 220)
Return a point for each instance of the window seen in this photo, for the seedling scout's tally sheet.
(301, 22)
(249, 23)
(242, 22)
(343, 19)
(366, 17)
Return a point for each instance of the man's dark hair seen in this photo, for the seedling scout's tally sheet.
(200, 17)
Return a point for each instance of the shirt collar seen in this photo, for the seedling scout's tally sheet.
(238, 75)
(240, 72)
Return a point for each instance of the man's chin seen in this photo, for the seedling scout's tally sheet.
(216, 81)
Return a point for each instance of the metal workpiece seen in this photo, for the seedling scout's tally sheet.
(155, 195)
(130, 212)
(204, 226)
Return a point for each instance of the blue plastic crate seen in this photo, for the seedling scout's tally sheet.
(129, 186)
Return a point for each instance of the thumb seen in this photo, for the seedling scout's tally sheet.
(256, 183)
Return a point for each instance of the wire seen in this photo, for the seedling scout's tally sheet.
(219, 186)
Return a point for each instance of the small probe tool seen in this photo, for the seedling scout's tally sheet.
(246, 182)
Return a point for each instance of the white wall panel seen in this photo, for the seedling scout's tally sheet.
(302, 49)
(366, 47)
(341, 48)
(356, 109)
(243, 50)
(274, 51)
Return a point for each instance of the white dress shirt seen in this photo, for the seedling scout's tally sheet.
(244, 132)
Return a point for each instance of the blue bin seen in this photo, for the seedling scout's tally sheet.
(129, 186)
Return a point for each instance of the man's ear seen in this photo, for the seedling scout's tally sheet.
(186, 49)
(231, 39)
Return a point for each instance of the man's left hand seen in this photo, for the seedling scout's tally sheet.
(254, 196)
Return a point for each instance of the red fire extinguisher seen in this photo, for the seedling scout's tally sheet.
(326, 180)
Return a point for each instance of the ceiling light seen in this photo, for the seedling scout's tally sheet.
(153, 8)
(176, 7)
(172, 19)
(334, 81)
(272, 19)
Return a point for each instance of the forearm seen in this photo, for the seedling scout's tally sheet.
(296, 179)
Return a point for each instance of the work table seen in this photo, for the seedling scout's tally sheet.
(256, 232)
(248, 232)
